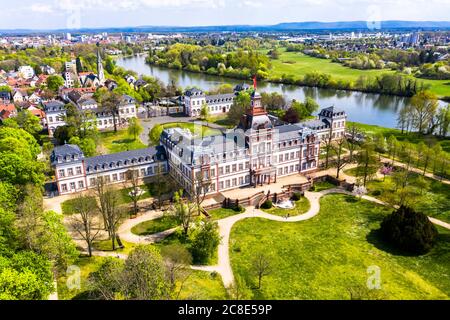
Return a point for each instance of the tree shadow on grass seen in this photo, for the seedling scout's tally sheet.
(123, 141)
(374, 237)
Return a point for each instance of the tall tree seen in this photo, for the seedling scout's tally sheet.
(132, 183)
(424, 106)
(144, 275)
(367, 162)
(338, 148)
(261, 267)
(134, 127)
(177, 260)
(108, 205)
(85, 220)
(238, 108)
(110, 103)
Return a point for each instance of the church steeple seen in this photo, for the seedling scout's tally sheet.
(100, 71)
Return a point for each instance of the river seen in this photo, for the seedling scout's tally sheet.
(361, 107)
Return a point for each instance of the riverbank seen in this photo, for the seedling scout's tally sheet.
(295, 68)
(370, 108)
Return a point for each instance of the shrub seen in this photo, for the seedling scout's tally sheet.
(296, 196)
(376, 193)
(204, 242)
(267, 204)
(409, 230)
(238, 208)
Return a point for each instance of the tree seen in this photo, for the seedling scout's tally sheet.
(238, 108)
(135, 193)
(204, 241)
(443, 120)
(204, 112)
(110, 103)
(162, 183)
(85, 220)
(55, 243)
(155, 134)
(26, 121)
(353, 135)
(392, 146)
(409, 230)
(367, 163)
(183, 211)
(87, 145)
(261, 266)
(177, 260)
(424, 106)
(108, 205)
(144, 275)
(291, 116)
(385, 171)
(54, 82)
(106, 282)
(340, 161)
(134, 127)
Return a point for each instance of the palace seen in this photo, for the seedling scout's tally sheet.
(74, 172)
(258, 151)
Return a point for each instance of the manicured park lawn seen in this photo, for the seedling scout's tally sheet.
(202, 285)
(205, 131)
(221, 213)
(433, 199)
(299, 64)
(411, 137)
(328, 255)
(86, 265)
(301, 206)
(154, 226)
(111, 142)
(67, 206)
(106, 245)
(323, 185)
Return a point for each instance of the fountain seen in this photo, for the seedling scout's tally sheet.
(285, 204)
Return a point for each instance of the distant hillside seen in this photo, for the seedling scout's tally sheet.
(312, 26)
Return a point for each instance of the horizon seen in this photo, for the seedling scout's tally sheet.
(174, 26)
(100, 14)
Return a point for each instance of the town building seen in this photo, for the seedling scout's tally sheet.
(75, 173)
(26, 72)
(56, 111)
(195, 99)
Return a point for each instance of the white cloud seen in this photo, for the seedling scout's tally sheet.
(41, 8)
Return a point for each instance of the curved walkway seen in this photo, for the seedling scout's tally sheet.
(225, 225)
(125, 233)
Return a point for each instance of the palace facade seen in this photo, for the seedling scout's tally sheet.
(258, 151)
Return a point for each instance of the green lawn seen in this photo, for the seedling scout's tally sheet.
(301, 206)
(411, 137)
(328, 255)
(433, 199)
(67, 206)
(221, 213)
(111, 142)
(86, 265)
(299, 64)
(154, 226)
(323, 185)
(205, 131)
(202, 285)
(106, 245)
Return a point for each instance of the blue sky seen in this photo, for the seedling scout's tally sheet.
(53, 14)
